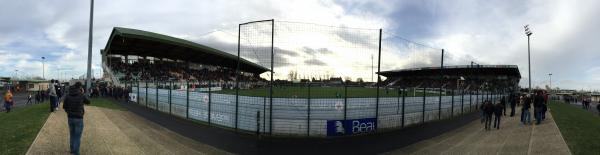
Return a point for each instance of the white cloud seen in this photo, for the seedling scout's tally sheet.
(490, 32)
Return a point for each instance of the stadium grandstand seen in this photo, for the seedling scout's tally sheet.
(467, 77)
(136, 55)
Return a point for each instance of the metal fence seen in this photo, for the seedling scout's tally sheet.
(306, 115)
(320, 81)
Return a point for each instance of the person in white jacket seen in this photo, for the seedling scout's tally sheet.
(53, 96)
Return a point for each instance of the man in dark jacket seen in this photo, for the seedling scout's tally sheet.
(489, 111)
(513, 103)
(598, 108)
(498, 108)
(525, 115)
(73, 105)
(538, 102)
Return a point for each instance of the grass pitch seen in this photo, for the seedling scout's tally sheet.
(580, 128)
(326, 92)
(19, 127)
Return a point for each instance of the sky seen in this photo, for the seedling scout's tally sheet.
(564, 40)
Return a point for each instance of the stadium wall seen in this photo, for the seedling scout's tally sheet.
(293, 117)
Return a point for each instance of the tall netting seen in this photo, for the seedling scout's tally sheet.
(421, 99)
(310, 80)
(321, 74)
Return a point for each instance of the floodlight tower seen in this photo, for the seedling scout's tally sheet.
(43, 68)
(550, 75)
(88, 82)
(528, 33)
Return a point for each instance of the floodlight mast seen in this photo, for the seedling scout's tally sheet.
(528, 33)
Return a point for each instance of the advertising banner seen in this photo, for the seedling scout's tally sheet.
(351, 127)
(132, 97)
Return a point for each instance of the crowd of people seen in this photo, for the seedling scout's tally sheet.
(166, 70)
(115, 92)
(493, 112)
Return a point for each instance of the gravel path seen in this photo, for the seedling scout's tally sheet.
(108, 131)
(512, 138)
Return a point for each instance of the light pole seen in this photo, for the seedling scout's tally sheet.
(16, 74)
(88, 81)
(550, 75)
(528, 33)
(43, 68)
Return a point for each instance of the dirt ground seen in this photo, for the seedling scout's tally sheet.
(512, 138)
(108, 131)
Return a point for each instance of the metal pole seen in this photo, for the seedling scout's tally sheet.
(209, 100)
(529, 61)
(170, 95)
(43, 68)
(271, 83)
(398, 101)
(237, 81)
(88, 80)
(440, 105)
(423, 117)
(441, 83)
(187, 98)
(308, 113)
(138, 92)
(146, 93)
(470, 100)
(156, 86)
(477, 99)
(462, 101)
(403, 99)
(378, 81)
(345, 100)
(452, 107)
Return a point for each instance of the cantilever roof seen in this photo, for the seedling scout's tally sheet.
(509, 70)
(126, 41)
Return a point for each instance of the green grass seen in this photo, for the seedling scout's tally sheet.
(324, 92)
(581, 129)
(105, 103)
(19, 128)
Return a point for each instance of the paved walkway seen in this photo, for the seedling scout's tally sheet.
(512, 138)
(108, 131)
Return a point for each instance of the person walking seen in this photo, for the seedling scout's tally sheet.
(525, 112)
(73, 105)
(498, 108)
(29, 99)
(513, 103)
(489, 111)
(8, 101)
(538, 102)
(598, 108)
(53, 96)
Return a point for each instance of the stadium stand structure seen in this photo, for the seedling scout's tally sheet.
(467, 77)
(161, 57)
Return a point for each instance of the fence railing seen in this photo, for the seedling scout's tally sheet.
(309, 110)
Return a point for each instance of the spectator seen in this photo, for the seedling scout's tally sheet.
(489, 111)
(53, 98)
(598, 108)
(29, 97)
(498, 109)
(538, 102)
(73, 105)
(8, 101)
(513, 103)
(525, 113)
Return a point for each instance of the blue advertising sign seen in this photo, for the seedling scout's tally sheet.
(351, 127)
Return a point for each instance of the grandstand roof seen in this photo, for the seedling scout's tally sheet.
(508, 70)
(126, 41)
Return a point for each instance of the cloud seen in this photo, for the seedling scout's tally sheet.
(488, 32)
